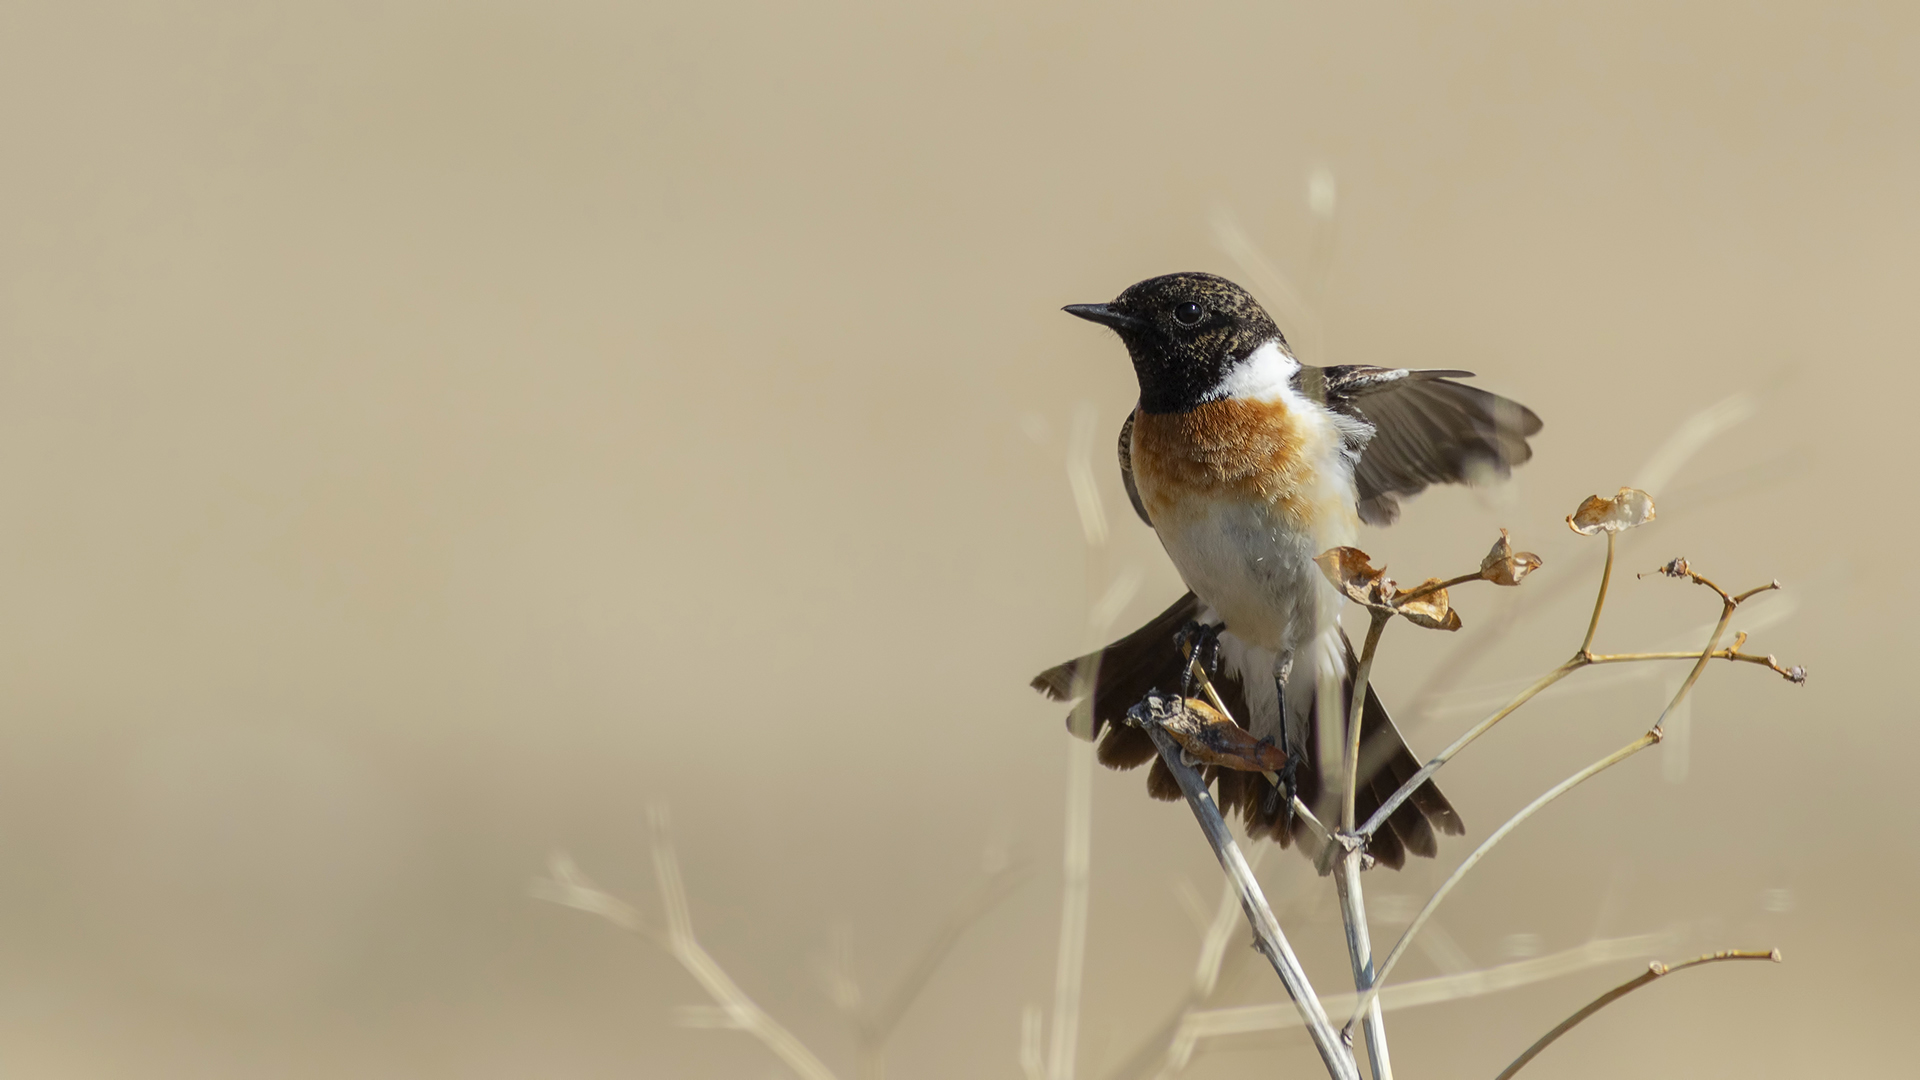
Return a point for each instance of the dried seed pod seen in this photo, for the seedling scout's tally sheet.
(1430, 610)
(1630, 509)
(1353, 573)
(1505, 566)
(1212, 739)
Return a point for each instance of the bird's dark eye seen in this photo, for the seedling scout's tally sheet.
(1188, 313)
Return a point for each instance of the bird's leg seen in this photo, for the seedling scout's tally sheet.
(1289, 788)
(1201, 643)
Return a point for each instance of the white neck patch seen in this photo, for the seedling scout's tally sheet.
(1265, 375)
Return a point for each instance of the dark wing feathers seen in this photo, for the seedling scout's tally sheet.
(1416, 428)
(1427, 429)
(1118, 676)
(1126, 470)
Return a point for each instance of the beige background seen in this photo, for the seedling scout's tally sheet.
(431, 433)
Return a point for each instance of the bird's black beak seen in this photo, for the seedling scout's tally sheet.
(1105, 316)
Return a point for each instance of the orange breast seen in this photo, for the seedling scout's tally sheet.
(1230, 449)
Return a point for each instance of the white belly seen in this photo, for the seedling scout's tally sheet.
(1251, 563)
(1245, 561)
(1256, 575)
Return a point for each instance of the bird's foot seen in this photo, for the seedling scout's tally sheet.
(1201, 644)
(1289, 791)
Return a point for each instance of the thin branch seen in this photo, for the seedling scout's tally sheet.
(736, 1010)
(1248, 1019)
(1268, 936)
(1350, 777)
(1031, 1064)
(1353, 915)
(745, 1015)
(1585, 658)
(1579, 660)
(1437, 586)
(1706, 654)
(1353, 905)
(1600, 601)
(1321, 834)
(1426, 772)
(1653, 735)
(1070, 969)
(1564, 786)
(1654, 971)
(1200, 675)
(1732, 652)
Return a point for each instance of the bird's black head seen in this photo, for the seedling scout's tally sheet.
(1185, 332)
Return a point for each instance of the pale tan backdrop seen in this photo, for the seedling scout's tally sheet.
(431, 433)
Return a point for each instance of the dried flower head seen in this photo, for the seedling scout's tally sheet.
(1630, 509)
(1505, 566)
(1428, 609)
(1353, 573)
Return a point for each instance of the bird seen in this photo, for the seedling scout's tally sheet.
(1247, 464)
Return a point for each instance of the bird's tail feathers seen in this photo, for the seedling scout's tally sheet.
(1112, 680)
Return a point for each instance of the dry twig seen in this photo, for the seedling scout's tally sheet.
(1627, 510)
(1268, 937)
(1655, 970)
(568, 887)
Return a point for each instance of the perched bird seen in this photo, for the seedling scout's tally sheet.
(1247, 464)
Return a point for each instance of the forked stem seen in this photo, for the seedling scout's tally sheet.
(1400, 947)
(1653, 735)
(1353, 904)
(1350, 764)
(1600, 601)
(1268, 937)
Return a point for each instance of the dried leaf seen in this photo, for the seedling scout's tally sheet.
(1212, 739)
(1430, 610)
(1353, 573)
(1205, 736)
(1630, 509)
(1505, 566)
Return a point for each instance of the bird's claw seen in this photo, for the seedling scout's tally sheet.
(1201, 644)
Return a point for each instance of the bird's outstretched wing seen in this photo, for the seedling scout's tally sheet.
(1425, 429)
(1416, 427)
(1126, 469)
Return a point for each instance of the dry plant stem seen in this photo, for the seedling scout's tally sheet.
(1436, 586)
(1654, 971)
(1351, 763)
(1583, 658)
(685, 948)
(1277, 1016)
(1420, 920)
(1734, 655)
(1706, 654)
(1426, 771)
(1652, 736)
(1199, 671)
(1071, 963)
(1353, 905)
(567, 887)
(1600, 601)
(1304, 813)
(1579, 660)
(1353, 913)
(1268, 937)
